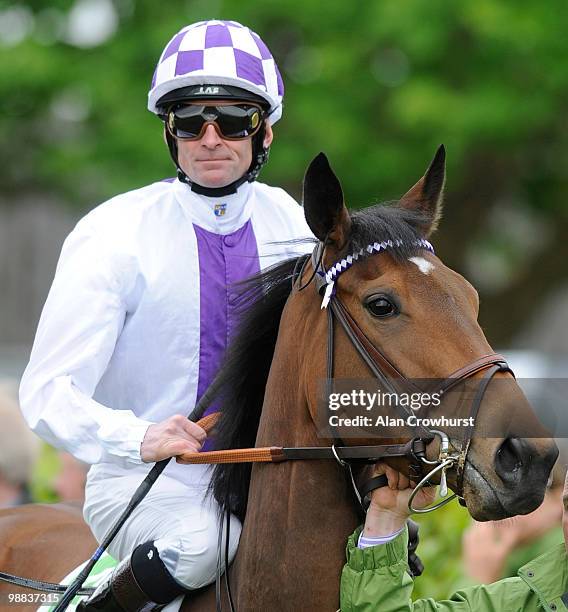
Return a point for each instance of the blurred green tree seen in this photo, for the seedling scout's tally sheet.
(376, 85)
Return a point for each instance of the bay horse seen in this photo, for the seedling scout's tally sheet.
(419, 313)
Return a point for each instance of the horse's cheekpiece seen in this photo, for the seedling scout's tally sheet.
(383, 369)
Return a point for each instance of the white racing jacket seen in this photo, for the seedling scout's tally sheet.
(140, 312)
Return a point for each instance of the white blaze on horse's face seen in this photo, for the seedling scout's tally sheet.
(424, 266)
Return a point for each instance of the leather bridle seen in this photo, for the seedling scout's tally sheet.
(385, 371)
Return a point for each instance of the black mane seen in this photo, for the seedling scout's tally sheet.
(242, 378)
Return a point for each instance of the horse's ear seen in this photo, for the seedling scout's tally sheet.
(427, 195)
(325, 211)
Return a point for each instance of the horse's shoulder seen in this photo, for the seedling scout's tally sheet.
(44, 540)
(72, 507)
(43, 513)
(43, 524)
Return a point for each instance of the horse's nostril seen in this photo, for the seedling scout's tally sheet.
(510, 456)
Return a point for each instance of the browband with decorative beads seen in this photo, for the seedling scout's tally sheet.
(344, 264)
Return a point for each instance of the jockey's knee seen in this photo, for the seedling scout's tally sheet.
(191, 557)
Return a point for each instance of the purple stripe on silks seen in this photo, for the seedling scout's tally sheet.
(223, 261)
(173, 47)
(187, 61)
(168, 180)
(218, 36)
(249, 67)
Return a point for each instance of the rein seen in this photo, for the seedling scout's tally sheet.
(382, 369)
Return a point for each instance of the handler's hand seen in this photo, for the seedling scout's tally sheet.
(170, 438)
(388, 510)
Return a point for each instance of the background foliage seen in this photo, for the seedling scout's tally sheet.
(440, 551)
(377, 85)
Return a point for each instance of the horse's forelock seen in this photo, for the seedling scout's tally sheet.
(384, 222)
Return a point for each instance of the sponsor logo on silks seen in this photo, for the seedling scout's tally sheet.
(208, 90)
(220, 209)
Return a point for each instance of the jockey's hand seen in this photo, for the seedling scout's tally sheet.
(170, 438)
(388, 510)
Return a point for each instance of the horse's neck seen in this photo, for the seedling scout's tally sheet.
(298, 518)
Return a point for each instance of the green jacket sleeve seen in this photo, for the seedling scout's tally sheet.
(376, 580)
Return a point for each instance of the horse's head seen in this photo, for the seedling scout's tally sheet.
(422, 316)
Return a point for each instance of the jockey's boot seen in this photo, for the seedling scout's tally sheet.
(140, 583)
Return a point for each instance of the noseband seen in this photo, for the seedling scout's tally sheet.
(385, 371)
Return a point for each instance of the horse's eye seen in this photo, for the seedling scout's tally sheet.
(380, 306)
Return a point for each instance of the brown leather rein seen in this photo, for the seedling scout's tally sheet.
(384, 371)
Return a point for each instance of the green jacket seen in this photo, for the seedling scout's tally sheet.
(375, 580)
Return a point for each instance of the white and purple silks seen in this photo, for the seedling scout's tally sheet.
(139, 315)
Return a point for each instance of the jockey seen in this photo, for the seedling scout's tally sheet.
(143, 304)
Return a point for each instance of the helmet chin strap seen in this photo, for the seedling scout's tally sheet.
(259, 158)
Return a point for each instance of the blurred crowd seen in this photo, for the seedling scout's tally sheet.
(20, 452)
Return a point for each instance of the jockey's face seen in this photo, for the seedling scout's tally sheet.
(213, 161)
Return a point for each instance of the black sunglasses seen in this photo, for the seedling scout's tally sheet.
(232, 121)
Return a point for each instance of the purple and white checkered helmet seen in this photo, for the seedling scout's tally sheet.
(218, 53)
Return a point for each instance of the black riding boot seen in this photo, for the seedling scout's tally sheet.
(140, 583)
